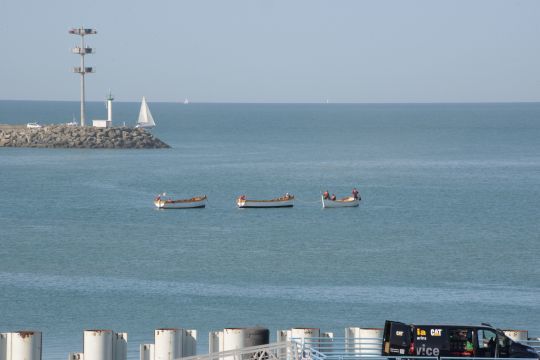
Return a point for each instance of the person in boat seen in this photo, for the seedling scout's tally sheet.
(333, 197)
(287, 196)
(326, 195)
(355, 193)
(242, 197)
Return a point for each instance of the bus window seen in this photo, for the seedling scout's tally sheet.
(486, 343)
(460, 342)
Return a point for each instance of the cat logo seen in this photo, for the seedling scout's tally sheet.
(399, 333)
(420, 332)
(436, 332)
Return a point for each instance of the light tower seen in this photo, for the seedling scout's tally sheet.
(110, 99)
(82, 50)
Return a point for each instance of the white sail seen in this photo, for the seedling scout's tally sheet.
(145, 117)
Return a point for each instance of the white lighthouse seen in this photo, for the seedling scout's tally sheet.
(105, 123)
(110, 99)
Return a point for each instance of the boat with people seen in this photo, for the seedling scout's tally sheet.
(286, 200)
(145, 120)
(163, 202)
(330, 201)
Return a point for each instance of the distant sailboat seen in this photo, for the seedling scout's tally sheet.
(145, 117)
(186, 101)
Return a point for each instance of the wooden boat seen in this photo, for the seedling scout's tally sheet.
(348, 201)
(286, 200)
(195, 202)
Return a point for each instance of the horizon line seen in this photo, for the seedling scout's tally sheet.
(298, 103)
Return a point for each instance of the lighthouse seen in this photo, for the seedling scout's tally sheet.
(105, 123)
(110, 99)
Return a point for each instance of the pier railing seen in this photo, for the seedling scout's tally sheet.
(534, 343)
(285, 350)
(335, 346)
(330, 348)
(327, 349)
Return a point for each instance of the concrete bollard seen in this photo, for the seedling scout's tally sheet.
(189, 343)
(103, 345)
(167, 344)
(76, 356)
(5, 339)
(326, 342)
(147, 352)
(298, 334)
(25, 345)
(120, 346)
(307, 336)
(364, 341)
(98, 345)
(20, 345)
(215, 341)
(237, 338)
(173, 343)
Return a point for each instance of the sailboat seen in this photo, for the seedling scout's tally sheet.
(145, 117)
(186, 101)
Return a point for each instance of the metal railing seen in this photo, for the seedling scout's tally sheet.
(533, 342)
(285, 350)
(346, 346)
(327, 349)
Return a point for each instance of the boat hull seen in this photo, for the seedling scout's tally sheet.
(345, 202)
(244, 204)
(181, 204)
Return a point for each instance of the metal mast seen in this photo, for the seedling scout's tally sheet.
(82, 50)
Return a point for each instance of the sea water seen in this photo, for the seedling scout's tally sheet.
(447, 230)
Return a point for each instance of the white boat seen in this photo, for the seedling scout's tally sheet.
(73, 122)
(168, 203)
(286, 200)
(33, 125)
(186, 101)
(349, 201)
(145, 116)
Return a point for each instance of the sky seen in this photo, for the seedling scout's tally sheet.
(343, 51)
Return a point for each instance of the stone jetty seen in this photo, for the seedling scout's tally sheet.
(64, 136)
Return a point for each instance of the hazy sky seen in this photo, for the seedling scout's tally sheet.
(275, 50)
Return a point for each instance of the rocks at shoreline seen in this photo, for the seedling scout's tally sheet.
(64, 136)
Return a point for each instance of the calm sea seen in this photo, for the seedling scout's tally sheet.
(448, 230)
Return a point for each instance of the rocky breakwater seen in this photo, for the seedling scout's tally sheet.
(63, 136)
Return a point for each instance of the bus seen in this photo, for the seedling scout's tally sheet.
(400, 339)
